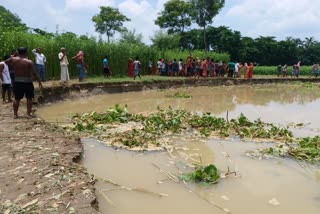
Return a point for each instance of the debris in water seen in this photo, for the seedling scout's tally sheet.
(274, 202)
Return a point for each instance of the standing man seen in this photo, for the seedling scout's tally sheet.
(40, 61)
(23, 85)
(231, 67)
(64, 65)
(81, 65)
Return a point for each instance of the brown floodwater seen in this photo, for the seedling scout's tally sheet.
(263, 186)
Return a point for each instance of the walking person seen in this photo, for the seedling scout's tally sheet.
(40, 61)
(6, 80)
(137, 66)
(64, 71)
(24, 69)
(81, 65)
(106, 69)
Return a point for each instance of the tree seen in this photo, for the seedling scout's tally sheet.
(108, 21)
(222, 39)
(176, 16)
(131, 37)
(10, 21)
(163, 41)
(204, 11)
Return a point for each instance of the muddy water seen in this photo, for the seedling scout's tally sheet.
(296, 188)
(280, 104)
(261, 186)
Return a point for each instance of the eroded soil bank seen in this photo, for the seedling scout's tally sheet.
(38, 172)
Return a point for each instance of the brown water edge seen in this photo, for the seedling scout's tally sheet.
(53, 92)
(259, 184)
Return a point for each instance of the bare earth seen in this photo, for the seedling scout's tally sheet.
(38, 172)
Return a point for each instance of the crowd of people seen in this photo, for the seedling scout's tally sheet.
(195, 67)
(17, 73)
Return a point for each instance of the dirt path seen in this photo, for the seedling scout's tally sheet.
(38, 172)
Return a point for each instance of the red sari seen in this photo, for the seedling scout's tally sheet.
(130, 68)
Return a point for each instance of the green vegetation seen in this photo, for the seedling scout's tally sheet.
(272, 70)
(179, 95)
(205, 174)
(306, 149)
(164, 122)
(89, 121)
(208, 125)
(155, 126)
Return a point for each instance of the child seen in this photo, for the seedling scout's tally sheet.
(6, 80)
(137, 66)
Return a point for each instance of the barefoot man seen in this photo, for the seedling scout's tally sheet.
(23, 86)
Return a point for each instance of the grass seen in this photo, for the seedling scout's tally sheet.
(146, 79)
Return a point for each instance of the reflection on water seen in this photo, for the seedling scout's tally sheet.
(295, 187)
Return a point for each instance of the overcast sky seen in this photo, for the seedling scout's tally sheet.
(254, 18)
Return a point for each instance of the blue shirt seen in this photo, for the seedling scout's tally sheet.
(105, 62)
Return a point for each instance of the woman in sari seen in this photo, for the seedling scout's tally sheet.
(241, 68)
(250, 73)
(246, 70)
(204, 67)
(130, 68)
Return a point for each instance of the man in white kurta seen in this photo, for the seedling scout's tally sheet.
(64, 65)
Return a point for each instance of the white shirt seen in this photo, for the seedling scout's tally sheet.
(236, 68)
(64, 61)
(39, 57)
(180, 65)
(6, 74)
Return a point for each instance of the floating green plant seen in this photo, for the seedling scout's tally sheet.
(306, 149)
(205, 174)
(179, 95)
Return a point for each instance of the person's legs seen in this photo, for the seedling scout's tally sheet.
(38, 70)
(29, 91)
(9, 95)
(3, 94)
(43, 73)
(16, 104)
(29, 107)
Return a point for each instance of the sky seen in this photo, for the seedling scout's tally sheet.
(254, 18)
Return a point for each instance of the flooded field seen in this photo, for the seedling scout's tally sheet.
(260, 186)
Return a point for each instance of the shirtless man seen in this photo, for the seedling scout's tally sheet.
(23, 85)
